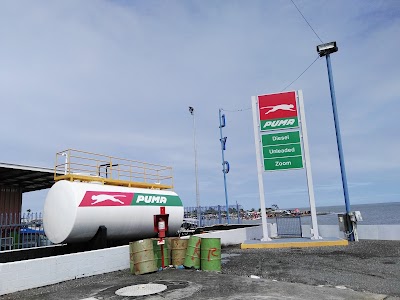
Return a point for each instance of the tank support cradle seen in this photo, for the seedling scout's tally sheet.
(99, 241)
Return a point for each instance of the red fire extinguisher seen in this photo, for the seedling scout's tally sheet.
(161, 228)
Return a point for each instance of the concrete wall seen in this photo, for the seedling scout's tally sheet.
(27, 274)
(378, 232)
(324, 231)
(238, 236)
(365, 232)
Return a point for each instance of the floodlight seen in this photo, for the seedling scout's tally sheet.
(327, 48)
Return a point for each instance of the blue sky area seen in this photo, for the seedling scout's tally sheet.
(117, 77)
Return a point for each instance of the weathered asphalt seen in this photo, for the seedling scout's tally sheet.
(364, 270)
(372, 266)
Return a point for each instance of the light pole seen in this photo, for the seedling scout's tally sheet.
(225, 164)
(326, 50)
(191, 110)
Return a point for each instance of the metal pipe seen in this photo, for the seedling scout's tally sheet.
(65, 163)
(223, 140)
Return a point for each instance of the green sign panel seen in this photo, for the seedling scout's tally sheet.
(281, 138)
(282, 151)
(156, 200)
(283, 163)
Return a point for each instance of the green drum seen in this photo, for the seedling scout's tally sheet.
(131, 261)
(192, 257)
(211, 254)
(168, 241)
(158, 256)
(178, 252)
(142, 257)
(132, 267)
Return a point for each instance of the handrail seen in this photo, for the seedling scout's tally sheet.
(77, 165)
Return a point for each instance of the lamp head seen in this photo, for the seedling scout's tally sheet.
(327, 48)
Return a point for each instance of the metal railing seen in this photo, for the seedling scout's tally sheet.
(76, 165)
(19, 231)
(289, 226)
(214, 215)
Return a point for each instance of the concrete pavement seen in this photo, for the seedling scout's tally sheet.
(188, 284)
(364, 270)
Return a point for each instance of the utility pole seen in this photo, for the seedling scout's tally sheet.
(191, 110)
(326, 50)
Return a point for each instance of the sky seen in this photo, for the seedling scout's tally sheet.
(117, 78)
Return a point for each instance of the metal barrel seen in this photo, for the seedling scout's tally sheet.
(192, 257)
(142, 257)
(168, 241)
(178, 253)
(131, 260)
(211, 254)
(132, 266)
(158, 256)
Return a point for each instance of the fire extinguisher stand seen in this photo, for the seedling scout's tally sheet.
(161, 227)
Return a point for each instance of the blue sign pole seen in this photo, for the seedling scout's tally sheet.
(339, 142)
(225, 164)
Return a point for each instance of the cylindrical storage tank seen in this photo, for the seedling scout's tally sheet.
(178, 253)
(142, 257)
(211, 254)
(73, 211)
(192, 257)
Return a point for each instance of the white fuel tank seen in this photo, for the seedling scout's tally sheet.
(73, 211)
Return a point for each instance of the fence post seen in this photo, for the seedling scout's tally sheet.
(238, 212)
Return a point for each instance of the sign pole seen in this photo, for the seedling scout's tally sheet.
(225, 169)
(315, 233)
(259, 170)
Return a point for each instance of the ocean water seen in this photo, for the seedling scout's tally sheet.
(372, 214)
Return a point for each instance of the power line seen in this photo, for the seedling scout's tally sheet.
(306, 21)
(300, 74)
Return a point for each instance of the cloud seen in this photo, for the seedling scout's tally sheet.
(117, 77)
